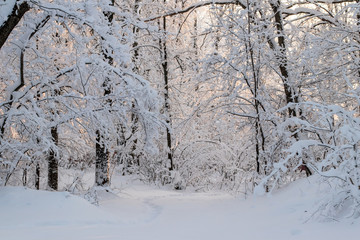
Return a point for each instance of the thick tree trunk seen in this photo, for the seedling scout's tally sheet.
(102, 164)
(14, 18)
(102, 175)
(53, 162)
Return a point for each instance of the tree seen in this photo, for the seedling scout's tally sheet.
(329, 89)
(63, 95)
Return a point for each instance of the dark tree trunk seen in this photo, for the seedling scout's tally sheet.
(135, 43)
(281, 57)
(166, 93)
(14, 18)
(280, 53)
(53, 162)
(254, 86)
(37, 176)
(134, 156)
(101, 164)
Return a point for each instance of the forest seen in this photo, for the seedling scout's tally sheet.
(242, 96)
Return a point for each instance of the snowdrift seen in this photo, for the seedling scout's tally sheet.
(144, 212)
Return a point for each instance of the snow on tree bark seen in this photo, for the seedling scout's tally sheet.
(53, 167)
(12, 20)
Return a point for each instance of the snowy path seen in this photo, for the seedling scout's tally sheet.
(141, 213)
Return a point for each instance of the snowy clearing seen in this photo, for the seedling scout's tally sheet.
(143, 212)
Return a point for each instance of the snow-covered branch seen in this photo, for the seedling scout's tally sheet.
(9, 19)
(195, 6)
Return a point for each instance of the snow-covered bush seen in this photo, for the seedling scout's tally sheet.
(328, 144)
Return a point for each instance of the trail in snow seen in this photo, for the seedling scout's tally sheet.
(139, 212)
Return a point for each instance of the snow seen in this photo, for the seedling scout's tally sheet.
(137, 211)
(6, 8)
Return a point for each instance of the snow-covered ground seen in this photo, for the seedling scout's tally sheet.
(137, 211)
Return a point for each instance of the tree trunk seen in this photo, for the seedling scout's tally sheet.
(53, 162)
(37, 176)
(102, 175)
(14, 18)
(135, 158)
(281, 57)
(102, 164)
(166, 93)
